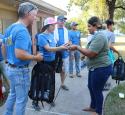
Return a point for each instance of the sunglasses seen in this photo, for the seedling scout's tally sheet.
(62, 20)
(31, 10)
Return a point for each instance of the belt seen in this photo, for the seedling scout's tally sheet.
(16, 66)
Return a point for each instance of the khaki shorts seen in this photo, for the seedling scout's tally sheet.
(65, 66)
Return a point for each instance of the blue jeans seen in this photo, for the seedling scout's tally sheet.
(19, 86)
(96, 81)
(76, 55)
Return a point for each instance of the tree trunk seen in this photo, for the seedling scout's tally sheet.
(111, 8)
(111, 13)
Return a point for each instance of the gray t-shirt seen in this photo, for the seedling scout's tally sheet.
(110, 36)
(98, 44)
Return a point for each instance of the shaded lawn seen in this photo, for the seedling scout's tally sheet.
(113, 104)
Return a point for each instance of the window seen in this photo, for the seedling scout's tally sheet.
(4, 23)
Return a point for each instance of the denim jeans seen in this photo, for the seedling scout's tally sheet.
(19, 86)
(74, 55)
(96, 81)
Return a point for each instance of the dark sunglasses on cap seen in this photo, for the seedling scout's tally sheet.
(63, 20)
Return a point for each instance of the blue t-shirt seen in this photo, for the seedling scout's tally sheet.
(74, 37)
(43, 40)
(65, 53)
(1, 39)
(17, 37)
(110, 36)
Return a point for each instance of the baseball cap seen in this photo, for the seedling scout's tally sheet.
(49, 20)
(73, 24)
(61, 18)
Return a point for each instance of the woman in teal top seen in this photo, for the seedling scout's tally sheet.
(99, 65)
(47, 47)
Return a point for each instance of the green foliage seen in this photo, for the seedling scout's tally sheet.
(100, 8)
(89, 8)
(92, 7)
(82, 27)
(121, 26)
(68, 25)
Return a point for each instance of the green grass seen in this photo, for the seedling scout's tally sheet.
(113, 104)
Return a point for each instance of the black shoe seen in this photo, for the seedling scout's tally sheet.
(36, 105)
(107, 87)
(52, 104)
(78, 75)
(71, 76)
(64, 87)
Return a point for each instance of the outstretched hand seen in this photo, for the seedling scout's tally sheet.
(73, 47)
(66, 46)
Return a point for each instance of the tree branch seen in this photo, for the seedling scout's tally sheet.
(120, 7)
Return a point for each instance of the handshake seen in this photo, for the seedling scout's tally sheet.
(69, 46)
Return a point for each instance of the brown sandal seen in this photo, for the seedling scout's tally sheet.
(89, 109)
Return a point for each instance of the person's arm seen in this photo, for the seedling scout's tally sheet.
(94, 48)
(84, 51)
(111, 46)
(112, 42)
(54, 49)
(23, 55)
(42, 42)
(87, 52)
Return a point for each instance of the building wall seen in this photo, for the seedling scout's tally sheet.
(8, 15)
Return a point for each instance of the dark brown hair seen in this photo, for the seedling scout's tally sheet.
(94, 21)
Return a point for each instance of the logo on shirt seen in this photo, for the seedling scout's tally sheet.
(9, 40)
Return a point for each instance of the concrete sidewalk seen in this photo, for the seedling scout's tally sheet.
(68, 102)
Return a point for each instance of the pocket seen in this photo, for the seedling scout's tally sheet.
(22, 77)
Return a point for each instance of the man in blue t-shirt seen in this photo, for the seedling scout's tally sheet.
(74, 35)
(16, 50)
(62, 37)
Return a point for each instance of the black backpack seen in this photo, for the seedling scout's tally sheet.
(42, 83)
(58, 62)
(118, 73)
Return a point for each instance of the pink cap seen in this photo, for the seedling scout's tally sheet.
(49, 20)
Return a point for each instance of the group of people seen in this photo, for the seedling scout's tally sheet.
(54, 36)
